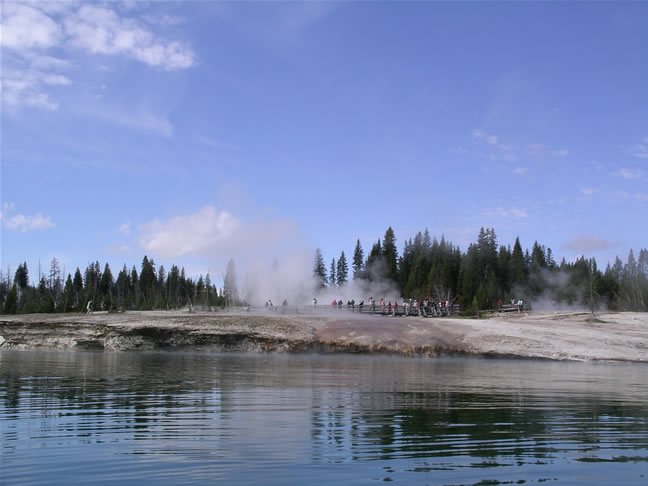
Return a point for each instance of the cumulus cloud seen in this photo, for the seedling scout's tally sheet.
(587, 244)
(25, 27)
(98, 29)
(210, 232)
(29, 30)
(23, 223)
(24, 88)
(198, 233)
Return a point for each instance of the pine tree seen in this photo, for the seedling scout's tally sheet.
(147, 281)
(319, 270)
(358, 261)
(332, 273)
(390, 253)
(518, 267)
(11, 302)
(208, 291)
(173, 287)
(134, 290)
(374, 266)
(68, 295)
(21, 278)
(200, 291)
(78, 290)
(342, 270)
(106, 287)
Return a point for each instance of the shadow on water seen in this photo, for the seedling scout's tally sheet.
(275, 419)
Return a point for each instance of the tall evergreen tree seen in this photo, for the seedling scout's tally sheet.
(106, 287)
(11, 302)
(332, 273)
(319, 269)
(358, 261)
(21, 278)
(518, 267)
(342, 270)
(374, 268)
(390, 253)
(68, 300)
(147, 281)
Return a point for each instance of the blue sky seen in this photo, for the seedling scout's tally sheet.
(192, 132)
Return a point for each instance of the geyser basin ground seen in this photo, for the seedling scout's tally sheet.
(551, 335)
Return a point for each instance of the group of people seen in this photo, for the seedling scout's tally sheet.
(424, 308)
(270, 305)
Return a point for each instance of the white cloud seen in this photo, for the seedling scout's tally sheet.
(25, 89)
(211, 233)
(508, 213)
(536, 147)
(641, 149)
(195, 234)
(493, 149)
(630, 173)
(520, 170)
(586, 244)
(29, 30)
(23, 223)
(124, 228)
(25, 27)
(55, 79)
(49, 62)
(100, 30)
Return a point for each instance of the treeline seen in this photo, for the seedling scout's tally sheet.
(488, 272)
(146, 289)
(427, 268)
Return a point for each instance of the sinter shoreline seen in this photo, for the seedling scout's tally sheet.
(621, 336)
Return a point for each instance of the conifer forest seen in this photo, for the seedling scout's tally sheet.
(428, 268)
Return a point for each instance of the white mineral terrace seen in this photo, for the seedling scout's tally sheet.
(551, 335)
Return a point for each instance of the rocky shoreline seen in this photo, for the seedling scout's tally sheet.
(556, 335)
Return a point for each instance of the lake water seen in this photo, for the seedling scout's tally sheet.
(198, 418)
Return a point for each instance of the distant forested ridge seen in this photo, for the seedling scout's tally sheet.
(484, 274)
